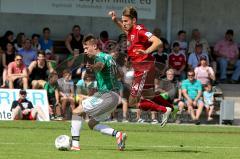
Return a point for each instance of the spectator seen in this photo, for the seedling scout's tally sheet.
(8, 37)
(227, 55)
(17, 73)
(203, 72)
(66, 91)
(161, 62)
(122, 44)
(45, 41)
(197, 39)
(53, 96)
(7, 57)
(74, 40)
(177, 61)
(208, 98)
(166, 47)
(103, 41)
(194, 57)
(19, 41)
(35, 43)
(181, 39)
(23, 109)
(39, 70)
(28, 53)
(1, 64)
(192, 92)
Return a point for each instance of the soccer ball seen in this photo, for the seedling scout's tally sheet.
(63, 143)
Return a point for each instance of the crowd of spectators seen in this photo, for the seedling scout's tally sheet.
(185, 71)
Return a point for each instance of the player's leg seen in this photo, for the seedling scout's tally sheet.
(17, 113)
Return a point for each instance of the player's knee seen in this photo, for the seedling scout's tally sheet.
(92, 123)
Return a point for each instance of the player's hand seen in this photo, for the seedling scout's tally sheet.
(113, 15)
(140, 51)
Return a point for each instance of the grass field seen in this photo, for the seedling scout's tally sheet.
(35, 140)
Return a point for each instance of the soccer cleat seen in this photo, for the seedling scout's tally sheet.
(74, 148)
(165, 117)
(121, 141)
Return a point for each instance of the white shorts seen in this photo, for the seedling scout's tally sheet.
(100, 106)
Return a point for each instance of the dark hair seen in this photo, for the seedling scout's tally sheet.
(35, 35)
(104, 34)
(76, 26)
(181, 32)
(46, 29)
(130, 11)
(41, 53)
(7, 34)
(191, 71)
(175, 44)
(66, 71)
(230, 32)
(51, 75)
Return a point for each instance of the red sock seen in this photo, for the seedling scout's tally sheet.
(160, 100)
(150, 105)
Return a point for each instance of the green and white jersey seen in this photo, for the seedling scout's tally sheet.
(107, 77)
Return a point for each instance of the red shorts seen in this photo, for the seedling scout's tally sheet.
(28, 116)
(144, 75)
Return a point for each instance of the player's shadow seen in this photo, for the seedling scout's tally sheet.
(167, 151)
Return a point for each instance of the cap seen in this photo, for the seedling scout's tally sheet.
(203, 58)
(22, 91)
(229, 31)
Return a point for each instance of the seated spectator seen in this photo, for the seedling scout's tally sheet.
(74, 40)
(103, 41)
(192, 92)
(122, 44)
(177, 61)
(181, 39)
(28, 53)
(39, 70)
(208, 98)
(35, 43)
(19, 41)
(7, 57)
(23, 109)
(45, 41)
(66, 91)
(86, 87)
(227, 55)
(161, 63)
(17, 73)
(1, 65)
(203, 72)
(197, 39)
(166, 47)
(6, 38)
(194, 57)
(51, 86)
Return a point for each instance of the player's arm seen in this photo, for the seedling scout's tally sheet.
(98, 66)
(116, 20)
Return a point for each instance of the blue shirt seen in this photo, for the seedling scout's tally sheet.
(208, 98)
(192, 88)
(194, 59)
(28, 56)
(46, 45)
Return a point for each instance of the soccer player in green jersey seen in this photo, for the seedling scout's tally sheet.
(103, 103)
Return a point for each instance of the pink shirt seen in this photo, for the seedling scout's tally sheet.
(227, 49)
(202, 75)
(14, 69)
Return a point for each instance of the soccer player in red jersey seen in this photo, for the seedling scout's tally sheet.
(140, 44)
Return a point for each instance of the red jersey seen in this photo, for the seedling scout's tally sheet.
(138, 39)
(176, 61)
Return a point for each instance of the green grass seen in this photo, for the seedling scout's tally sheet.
(35, 140)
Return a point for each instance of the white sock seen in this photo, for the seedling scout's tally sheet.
(104, 129)
(76, 125)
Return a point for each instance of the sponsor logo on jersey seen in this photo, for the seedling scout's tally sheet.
(148, 34)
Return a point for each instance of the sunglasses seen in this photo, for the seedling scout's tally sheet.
(18, 59)
(190, 75)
